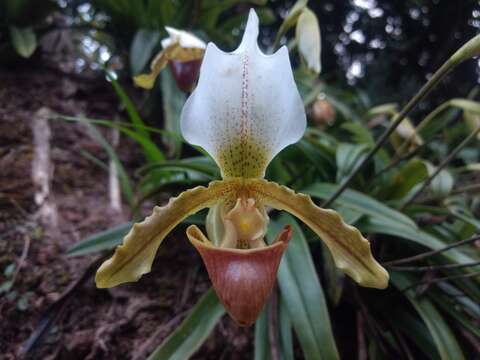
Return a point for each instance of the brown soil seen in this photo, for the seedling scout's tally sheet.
(95, 324)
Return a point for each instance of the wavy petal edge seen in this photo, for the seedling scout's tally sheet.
(350, 250)
(135, 256)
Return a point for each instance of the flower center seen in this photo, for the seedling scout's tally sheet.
(242, 227)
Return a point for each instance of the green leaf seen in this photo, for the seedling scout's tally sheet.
(151, 151)
(173, 100)
(104, 240)
(376, 225)
(261, 341)
(125, 127)
(108, 239)
(360, 133)
(347, 156)
(384, 109)
(201, 165)
(286, 340)
(132, 112)
(361, 203)
(122, 174)
(447, 305)
(303, 295)
(318, 156)
(141, 49)
(333, 277)
(24, 40)
(443, 337)
(414, 329)
(384, 220)
(193, 331)
(406, 178)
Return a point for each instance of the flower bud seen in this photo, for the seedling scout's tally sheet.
(323, 112)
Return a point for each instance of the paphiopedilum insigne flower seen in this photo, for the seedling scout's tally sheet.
(183, 52)
(245, 109)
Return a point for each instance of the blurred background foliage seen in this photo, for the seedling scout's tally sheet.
(417, 201)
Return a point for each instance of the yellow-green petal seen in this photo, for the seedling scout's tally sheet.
(350, 250)
(135, 256)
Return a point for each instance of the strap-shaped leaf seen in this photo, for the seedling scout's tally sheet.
(193, 331)
(350, 250)
(134, 257)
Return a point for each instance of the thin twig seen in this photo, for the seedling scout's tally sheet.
(362, 346)
(403, 344)
(431, 253)
(434, 80)
(472, 339)
(370, 323)
(23, 258)
(441, 279)
(55, 310)
(441, 166)
(157, 337)
(400, 159)
(434, 267)
(460, 190)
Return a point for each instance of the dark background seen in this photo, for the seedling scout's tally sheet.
(398, 44)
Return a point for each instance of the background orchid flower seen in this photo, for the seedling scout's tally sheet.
(183, 51)
(245, 109)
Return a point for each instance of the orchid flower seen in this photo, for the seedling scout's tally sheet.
(244, 110)
(183, 51)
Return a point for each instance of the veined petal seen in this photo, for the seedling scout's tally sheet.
(243, 279)
(245, 108)
(350, 250)
(134, 257)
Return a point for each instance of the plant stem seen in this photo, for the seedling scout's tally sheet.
(474, 188)
(435, 79)
(470, 49)
(434, 267)
(442, 279)
(441, 166)
(400, 159)
(431, 253)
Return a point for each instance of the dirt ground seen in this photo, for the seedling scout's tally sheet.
(123, 323)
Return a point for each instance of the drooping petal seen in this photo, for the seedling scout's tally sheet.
(243, 279)
(350, 250)
(245, 108)
(147, 81)
(134, 257)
